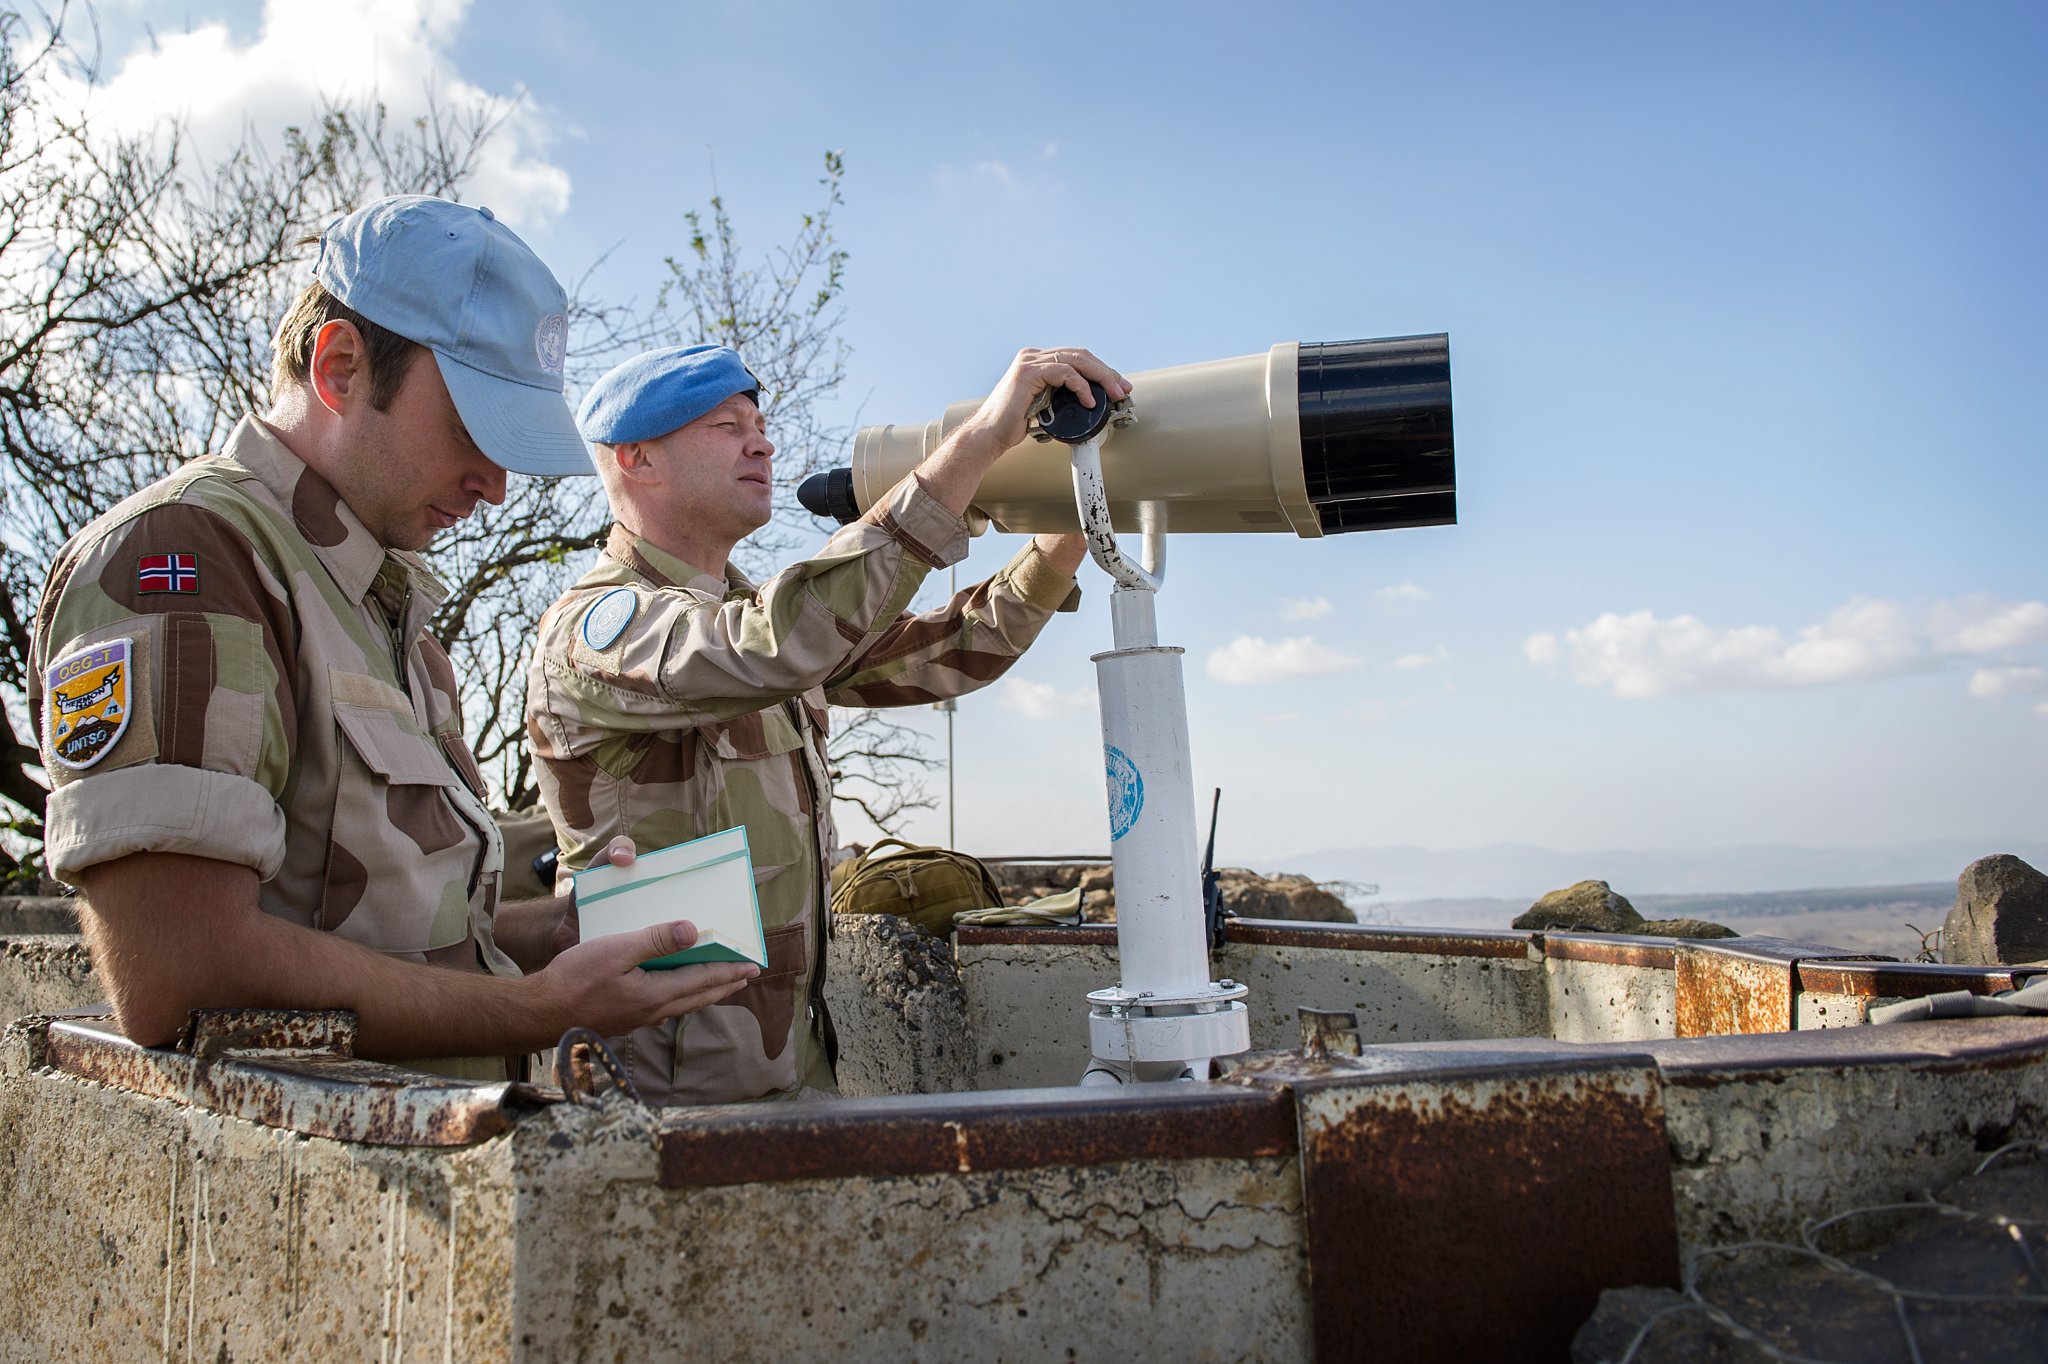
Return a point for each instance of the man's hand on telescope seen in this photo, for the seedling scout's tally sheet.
(1005, 414)
(954, 472)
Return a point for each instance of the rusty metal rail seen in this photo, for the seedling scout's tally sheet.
(290, 1069)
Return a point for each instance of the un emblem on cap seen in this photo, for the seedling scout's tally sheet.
(607, 620)
(551, 342)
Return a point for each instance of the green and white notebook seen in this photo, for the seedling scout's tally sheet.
(709, 881)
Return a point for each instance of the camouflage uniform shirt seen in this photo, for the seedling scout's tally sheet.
(277, 704)
(706, 709)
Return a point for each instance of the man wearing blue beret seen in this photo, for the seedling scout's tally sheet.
(671, 698)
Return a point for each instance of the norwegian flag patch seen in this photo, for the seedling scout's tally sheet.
(167, 573)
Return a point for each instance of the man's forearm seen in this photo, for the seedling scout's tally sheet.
(1062, 552)
(953, 473)
(207, 944)
(533, 932)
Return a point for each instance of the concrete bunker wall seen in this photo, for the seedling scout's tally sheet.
(1022, 990)
(1198, 1222)
(1601, 1105)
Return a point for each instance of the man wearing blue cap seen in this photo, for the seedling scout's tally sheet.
(671, 698)
(260, 779)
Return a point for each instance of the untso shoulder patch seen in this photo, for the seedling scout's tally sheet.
(608, 619)
(88, 695)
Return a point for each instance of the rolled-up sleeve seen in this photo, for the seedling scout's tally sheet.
(191, 748)
(159, 807)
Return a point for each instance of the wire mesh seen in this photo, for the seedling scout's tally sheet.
(1889, 1296)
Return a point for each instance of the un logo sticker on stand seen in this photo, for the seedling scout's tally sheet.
(87, 709)
(1126, 791)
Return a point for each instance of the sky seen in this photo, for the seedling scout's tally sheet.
(1743, 304)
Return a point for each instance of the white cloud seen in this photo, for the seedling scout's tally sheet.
(393, 50)
(1305, 608)
(1408, 662)
(1402, 592)
(1040, 700)
(1641, 654)
(2008, 681)
(1249, 660)
(1979, 625)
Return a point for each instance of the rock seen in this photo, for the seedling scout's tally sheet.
(1684, 928)
(1246, 893)
(1589, 906)
(2001, 914)
(1285, 896)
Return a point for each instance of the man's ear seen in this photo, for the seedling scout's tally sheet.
(339, 371)
(631, 459)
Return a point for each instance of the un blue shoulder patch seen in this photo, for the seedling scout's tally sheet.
(608, 619)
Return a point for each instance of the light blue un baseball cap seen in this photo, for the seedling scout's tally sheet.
(459, 282)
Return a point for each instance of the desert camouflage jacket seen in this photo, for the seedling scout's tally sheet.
(668, 703)
(228, 664)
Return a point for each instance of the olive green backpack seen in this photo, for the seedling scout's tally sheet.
(927, 886)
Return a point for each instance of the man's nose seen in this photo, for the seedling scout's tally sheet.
(487, 481)
(762, 446)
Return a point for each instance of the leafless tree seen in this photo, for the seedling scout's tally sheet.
(876, 767)
(138, 287)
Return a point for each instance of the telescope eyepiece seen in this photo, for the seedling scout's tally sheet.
(830, 495)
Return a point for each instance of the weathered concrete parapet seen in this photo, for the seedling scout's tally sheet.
(896, 1000)
(145, 1226)
(1767, 1131)
(1471, 1201)
(1423, 1201)
(1023, 1225)
(1743, 984)
(1841, 994)
(265, 1194)
(1609, 988)
(1028, 1225)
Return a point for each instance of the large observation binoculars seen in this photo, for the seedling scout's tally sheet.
(1318, 438)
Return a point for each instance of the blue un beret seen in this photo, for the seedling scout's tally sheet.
(651, 395)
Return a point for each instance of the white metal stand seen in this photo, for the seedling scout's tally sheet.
(1165, 1020)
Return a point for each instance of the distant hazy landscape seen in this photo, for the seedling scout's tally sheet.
(1862, 919)
(1861, 899)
